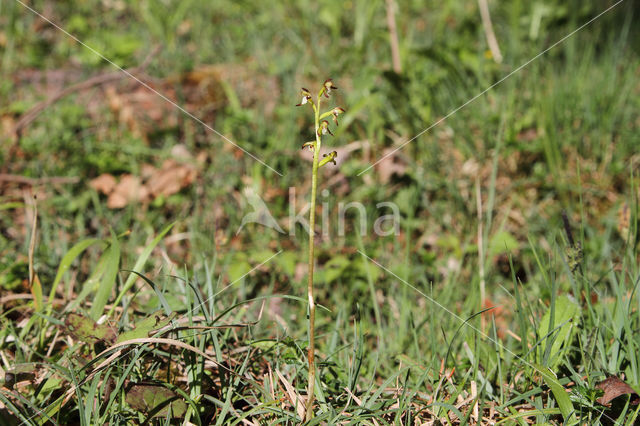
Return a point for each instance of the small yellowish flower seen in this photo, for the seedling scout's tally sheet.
(329, 158)
(306, 97)
(328, 87)
(336, 112)
(324, 128)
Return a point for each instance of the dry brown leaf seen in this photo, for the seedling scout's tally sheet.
(181, 152)
(614, 387)
(7, 126)
(203, 86)
(528, 135)
(104, 183)
(128, 190)
(141, 110)
(470, 168)
(498, 313)
(295, 398)
(146, 171)
(300, 271)
(624, 220)
(123, 110)
(170, 179)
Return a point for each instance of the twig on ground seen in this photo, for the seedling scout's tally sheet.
(5, 177)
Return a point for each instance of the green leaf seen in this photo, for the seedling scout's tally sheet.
(560, 394)
(406, 200)
(156, 399)
(238, 267)
(13, 274)
(51, 384)
(502, 242)
(566, 314)
(11, 205)
(138, 266)
(287, 261)
(90, 285)
(145, 328)
(87, 330)
(361, 265)
(260, 256)
(265, 345)
(335, 267)
(159, 297)
(67, 260)
(452, 243)
(112, 259)
(36, 291)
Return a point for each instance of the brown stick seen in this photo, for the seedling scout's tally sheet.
(393, 36)
(4, 177)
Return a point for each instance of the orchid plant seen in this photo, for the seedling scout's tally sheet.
(321, 129)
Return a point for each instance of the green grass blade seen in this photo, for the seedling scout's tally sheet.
(138, 266)
(560, 394)
(66, 262)
(112, 256)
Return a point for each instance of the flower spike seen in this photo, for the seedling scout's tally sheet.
(306, 97)
(321, 127)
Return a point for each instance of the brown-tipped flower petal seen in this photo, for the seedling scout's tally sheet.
(324, 128)
(309, 144)
(328, 87)
(306, 97)
(336, 112)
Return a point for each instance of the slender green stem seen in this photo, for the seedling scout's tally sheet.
(312, 221)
